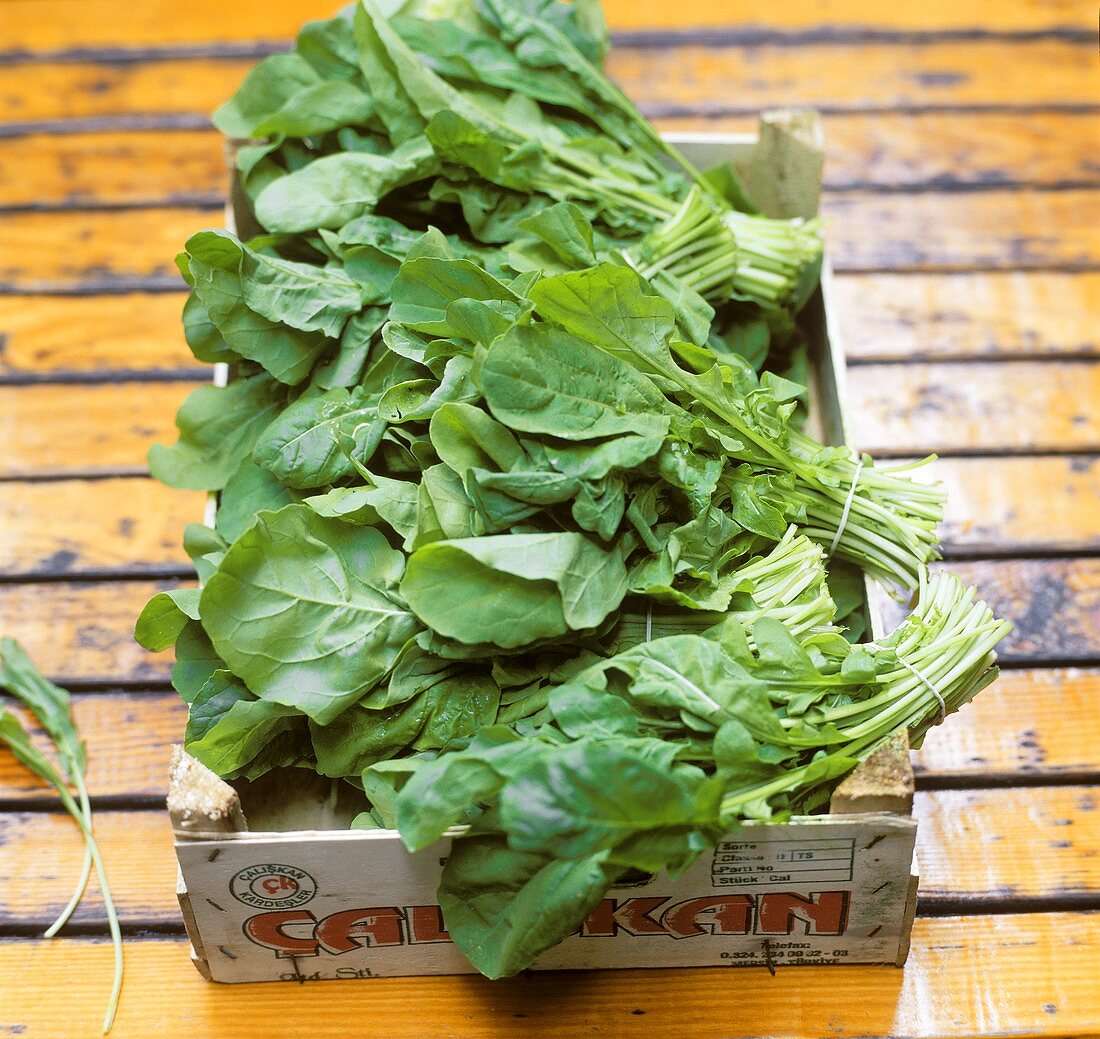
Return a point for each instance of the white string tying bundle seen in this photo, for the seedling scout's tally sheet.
(927, 685)
(846, 510)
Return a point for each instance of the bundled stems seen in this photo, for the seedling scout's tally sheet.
(944, 656)
(719, 252)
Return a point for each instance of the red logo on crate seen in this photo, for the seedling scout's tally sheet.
(298, 932)
(273, 886)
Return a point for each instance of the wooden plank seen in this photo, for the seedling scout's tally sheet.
(942, 149)
(997, 229)
(962, 316)
(1035, 844)
(1035, 723)
(880, 316)
(125, 526)
(82, 632)
(50, 25)
(1000, 229)
(57, 430)
(1010, 406)
(897, 410)
(143, 167)
(981, 976)
(1054, 605)
(1020, 504)
(129, 736)
(1039, 724)
(1043, 724)
(132, 526)
(662, 79)
(58, 24)
(95, 251)
(85, 632)
(140, 167)
(133, 331)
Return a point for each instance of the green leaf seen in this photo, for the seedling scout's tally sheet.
(335, 189)
(250, 490)
(218, 428)
(542, 380)
(228, 727)
(513, 589)
(265, 90)
(504, 907)
(305, 610)
(163, 618)
(303, 446)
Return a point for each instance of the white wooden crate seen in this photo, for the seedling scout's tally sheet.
(278, 890)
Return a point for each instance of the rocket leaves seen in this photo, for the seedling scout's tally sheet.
(305, 610)
(517, 526)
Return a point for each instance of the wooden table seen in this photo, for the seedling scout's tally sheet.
(964, 204)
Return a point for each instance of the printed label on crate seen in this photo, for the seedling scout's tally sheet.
(357, 904)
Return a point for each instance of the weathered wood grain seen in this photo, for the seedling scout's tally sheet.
(1001, 230)
(905, 317)
(880, 317)
(942, 149)
(1028, 723)
(141, 167)
(1033, 724)
(132, 526)
(129, 734)
(55, 430)
(661, 79)
(90, 251)
(60, 429)
(1020, 504)
(42, 335)
(50, 25)
(84, 632)
(980, 976)
(1010, 406)
(157, 167)
(127, 526)
(998, 230)
(1054, 605)
(1035, 843)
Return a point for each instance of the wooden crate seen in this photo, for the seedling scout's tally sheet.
(273, 887)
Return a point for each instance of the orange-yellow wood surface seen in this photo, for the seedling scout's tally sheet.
(881, 316)
(138, 167)
(1036, 844)
(1033, 725)
(47, 25)
(1023, 974)
(963, 198)
(711, 79)
(1002, 229)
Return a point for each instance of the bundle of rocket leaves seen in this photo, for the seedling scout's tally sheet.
(517, 525)
(51, 708)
